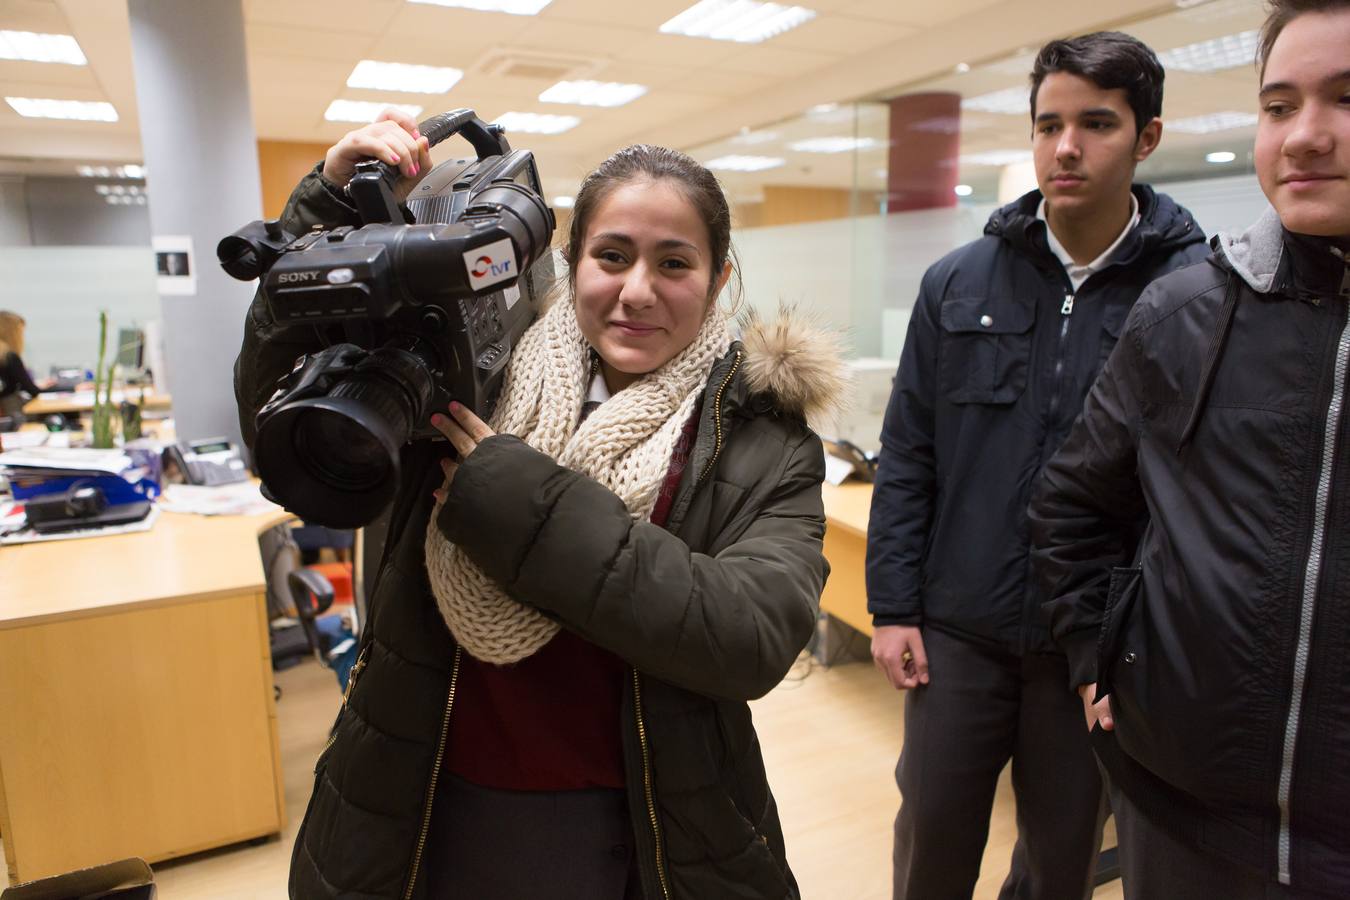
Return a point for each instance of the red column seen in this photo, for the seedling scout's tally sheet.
(925, 142)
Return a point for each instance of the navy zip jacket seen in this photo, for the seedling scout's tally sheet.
(995, 369)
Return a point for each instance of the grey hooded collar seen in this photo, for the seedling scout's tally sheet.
(1273, 260)
(1255, 255)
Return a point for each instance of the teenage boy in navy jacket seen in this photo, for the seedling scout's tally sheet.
(1006, 337)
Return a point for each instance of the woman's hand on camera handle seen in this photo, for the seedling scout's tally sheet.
(464, 431)
(392, 138)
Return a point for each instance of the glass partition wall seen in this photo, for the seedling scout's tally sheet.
(823, 205)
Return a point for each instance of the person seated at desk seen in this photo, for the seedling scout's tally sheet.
(15, 382)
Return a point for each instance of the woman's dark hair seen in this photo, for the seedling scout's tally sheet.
(643, 162)
(1280, 13)
(1110, 60)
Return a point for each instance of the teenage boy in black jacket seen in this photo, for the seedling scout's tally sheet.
(1215, 658)
(1006, 337)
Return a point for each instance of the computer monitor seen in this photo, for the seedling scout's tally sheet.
(130, 349)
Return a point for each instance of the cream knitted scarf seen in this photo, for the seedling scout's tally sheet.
(626, 445)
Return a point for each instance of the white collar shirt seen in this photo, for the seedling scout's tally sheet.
(1079, 274)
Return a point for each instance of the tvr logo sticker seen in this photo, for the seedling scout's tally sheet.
(491, 264)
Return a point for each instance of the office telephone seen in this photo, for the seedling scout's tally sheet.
(207, 462)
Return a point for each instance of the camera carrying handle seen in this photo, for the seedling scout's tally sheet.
(372, 187)
(487, 140)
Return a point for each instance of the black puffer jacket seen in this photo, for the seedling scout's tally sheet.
(1224, 642)
(992, 376)
(710, 612)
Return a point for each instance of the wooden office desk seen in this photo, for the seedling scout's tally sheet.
(83, 402)
(846, 511)
(136, 707)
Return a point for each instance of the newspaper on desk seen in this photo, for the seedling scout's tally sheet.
(243, 498)
(73, 459)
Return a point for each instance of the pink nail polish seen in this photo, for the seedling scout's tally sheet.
(455, 406)
(395, 155)
(414, 169)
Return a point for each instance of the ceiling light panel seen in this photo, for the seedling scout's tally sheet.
(1214, 55)
(1009, 101)
(1210, 123)
(995, 158)
(392, 76)
(833, 144)
(45, 48)
(362, 111)
(84, 111)
(593, 93)
(514, 7)
(750, 138)
(130, 170)
(743, 21)
(536, 123)
(735, 163)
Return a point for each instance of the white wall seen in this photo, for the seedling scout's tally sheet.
(14, 225)
(60, 290)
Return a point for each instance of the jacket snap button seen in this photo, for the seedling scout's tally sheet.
(986, 321)
(1130, 657)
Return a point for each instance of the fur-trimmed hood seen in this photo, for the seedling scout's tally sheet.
(795, 360)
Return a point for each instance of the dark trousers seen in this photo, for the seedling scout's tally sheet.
(982, 707)
(488, 844)
(1156, 866)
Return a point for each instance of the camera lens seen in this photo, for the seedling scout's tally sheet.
(342, 453)
(334, 460)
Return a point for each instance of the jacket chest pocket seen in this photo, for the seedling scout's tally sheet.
(1113, 321)
(986, 350)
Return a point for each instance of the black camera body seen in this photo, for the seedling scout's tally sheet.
(412, 316)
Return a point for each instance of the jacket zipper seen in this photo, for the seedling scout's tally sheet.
(346, 695)
(717, 417)
(1065, 312)
(435, 774)
(1312, 574)
(355, 673)
(647, 789)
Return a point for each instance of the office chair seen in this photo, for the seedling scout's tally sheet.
(331, 642)
(294, 623)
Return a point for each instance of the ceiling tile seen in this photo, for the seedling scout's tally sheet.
(919, 14)
(417, 21)
(14, 72)
(767, 60)
(718, 82)
(601, 40)
(279, 41)
(631, 71)
(368, 17)
(840, 34)
(678, 50)
(648, 14)
(42, 16)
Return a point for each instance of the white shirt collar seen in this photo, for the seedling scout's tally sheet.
(1078, 274)
(598, 392)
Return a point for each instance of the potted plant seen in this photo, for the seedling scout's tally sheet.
(105, 414)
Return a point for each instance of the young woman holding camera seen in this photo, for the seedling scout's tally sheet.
(550, 700)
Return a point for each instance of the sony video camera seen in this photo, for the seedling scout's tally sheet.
(411, 316)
